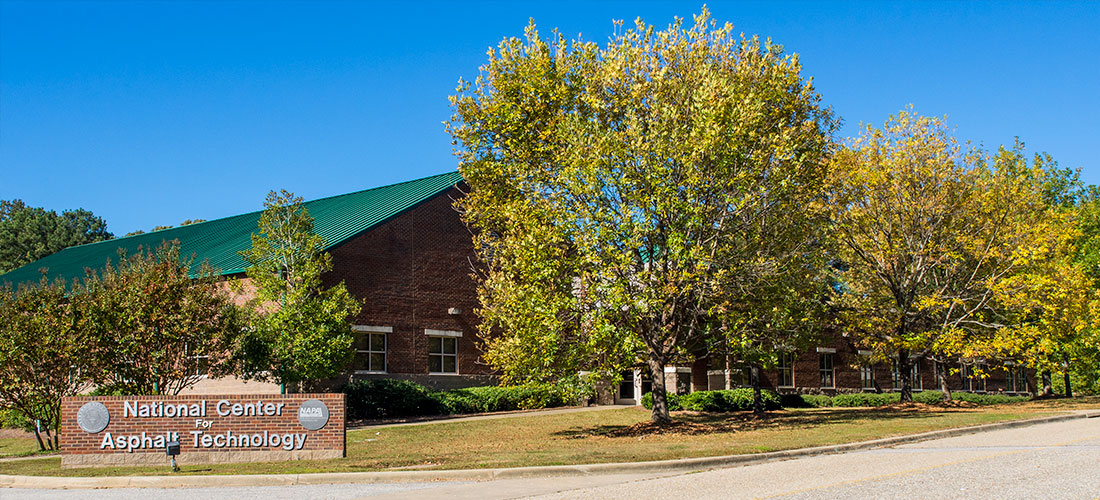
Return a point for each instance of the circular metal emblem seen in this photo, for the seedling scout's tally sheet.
(313, 414)
(93, 417)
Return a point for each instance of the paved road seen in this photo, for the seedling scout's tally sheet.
(1056, 461)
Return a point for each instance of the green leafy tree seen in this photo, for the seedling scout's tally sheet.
(46, 353)
(927, 232)
(627, 199)
(1055, 298)
(1054, 306)
(781, 315)
(1087, 258)
(162, 324)
(30, 233)
(300, 331)
(161, 228)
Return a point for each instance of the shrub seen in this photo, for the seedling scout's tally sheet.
(866, 399)
(567, 392)
(703, 401)
(387, 398)
(673, 401)
(717, 401)
(742, 399)
(788, 400)
(11, 418)
(928, 397)
(815, 400)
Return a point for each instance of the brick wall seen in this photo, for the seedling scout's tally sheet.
(225, 432)
(410, 271)
(846, 363)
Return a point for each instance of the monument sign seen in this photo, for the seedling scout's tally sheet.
(134, 430)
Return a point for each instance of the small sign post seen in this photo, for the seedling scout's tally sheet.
(172, 448)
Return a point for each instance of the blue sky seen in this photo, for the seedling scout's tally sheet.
(153, 113)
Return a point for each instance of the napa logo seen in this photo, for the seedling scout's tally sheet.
(313, 414)
(310, 412)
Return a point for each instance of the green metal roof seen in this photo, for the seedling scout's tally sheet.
(336, 218)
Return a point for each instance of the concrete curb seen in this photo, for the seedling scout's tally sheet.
(677, 465)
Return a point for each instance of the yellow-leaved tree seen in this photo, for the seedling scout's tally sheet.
(1051, 303)
(926, 230)
(630, 199)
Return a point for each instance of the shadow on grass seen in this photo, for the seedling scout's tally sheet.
(698, 423)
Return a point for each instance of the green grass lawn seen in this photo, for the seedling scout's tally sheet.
(17, 446)
(620, 435)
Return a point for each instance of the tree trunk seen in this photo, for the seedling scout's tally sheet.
(757, 399)
(55, 421)
(700, 381)
(903, 375)
(660, 395)
(51, 438)
(729, 374)
(38, 436)
(1048, 387)
(1065, 376)
(941, 377)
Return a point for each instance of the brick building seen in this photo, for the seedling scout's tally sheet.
(835, 366)
(404, 251)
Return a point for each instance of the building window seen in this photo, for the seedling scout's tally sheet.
(442, 355)
(867, 377)
(202, 365)
(370, 353)
(825, 364)
(740, 376)
(1015, 379)
(972, 380)
(626, 387)
(201, 362)
(914, 375)
(786, 369)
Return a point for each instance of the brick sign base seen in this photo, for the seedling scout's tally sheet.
(133, 430)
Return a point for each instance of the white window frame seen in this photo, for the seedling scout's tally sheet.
(199, 371)
(198, 360)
